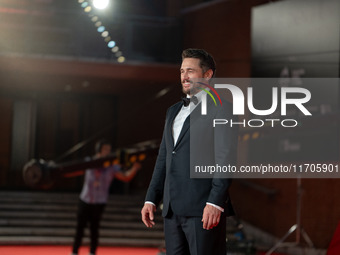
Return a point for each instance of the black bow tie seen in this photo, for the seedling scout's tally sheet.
(186, 100)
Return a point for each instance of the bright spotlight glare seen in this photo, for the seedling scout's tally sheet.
(111, 44)
(121, 59)
(115, 49)
(100, 4)
(101, 29)
(105, 33)
(84, 4)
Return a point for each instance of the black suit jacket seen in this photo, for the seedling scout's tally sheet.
(171, 177)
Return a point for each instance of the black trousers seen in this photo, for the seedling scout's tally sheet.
(92, 214)
(185, 235)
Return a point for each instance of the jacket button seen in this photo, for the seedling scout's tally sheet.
(174, 152)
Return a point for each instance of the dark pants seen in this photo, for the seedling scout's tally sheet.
(185, 235)
(91, 213)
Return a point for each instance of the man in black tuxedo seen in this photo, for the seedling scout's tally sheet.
(194, 209)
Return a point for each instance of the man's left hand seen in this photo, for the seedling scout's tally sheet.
(211, 217)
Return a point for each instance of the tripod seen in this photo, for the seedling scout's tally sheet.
(296, 227)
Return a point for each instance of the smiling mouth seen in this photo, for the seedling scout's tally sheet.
(186, 83)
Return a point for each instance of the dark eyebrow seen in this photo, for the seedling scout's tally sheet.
(189, 68)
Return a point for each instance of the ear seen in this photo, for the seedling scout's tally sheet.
(208, 74)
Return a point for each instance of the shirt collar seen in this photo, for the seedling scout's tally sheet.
(198, 95)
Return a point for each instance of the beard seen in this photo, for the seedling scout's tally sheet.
(186, 91)
(192, 90)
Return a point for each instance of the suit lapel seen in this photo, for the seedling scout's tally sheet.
(172, 115)
(192, 118)
(184, 129)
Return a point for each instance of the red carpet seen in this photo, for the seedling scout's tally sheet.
(334, 247)
(66, 250)
(263, 253)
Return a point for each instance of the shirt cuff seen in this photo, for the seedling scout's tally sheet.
(149, 202)
(218, 207)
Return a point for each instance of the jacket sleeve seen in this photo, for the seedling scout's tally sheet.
(225, 145)
(156, 187)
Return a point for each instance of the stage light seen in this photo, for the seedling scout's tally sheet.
(105, 33)
(121, 59)
(163, 92)
(100, 4)
(101, 29)
(115, 49)
(255, 135)
(111, 44)
(107, 39)
(246, 137)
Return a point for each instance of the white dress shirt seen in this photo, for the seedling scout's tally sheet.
(182, 115)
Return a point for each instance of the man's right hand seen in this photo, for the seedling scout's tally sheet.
(148, 214)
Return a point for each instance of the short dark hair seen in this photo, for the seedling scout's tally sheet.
(100, 143)
(206, 60)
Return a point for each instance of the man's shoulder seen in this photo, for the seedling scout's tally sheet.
(175, 106)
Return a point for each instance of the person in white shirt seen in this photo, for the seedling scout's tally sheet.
(94, 196)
